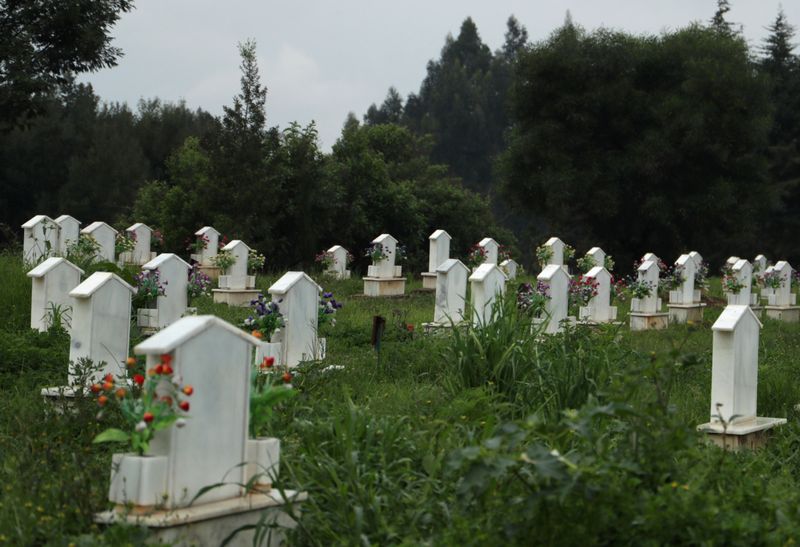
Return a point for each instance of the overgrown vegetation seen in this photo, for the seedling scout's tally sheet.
(483, 436)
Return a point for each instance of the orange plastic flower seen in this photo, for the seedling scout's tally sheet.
(108, 386)
(151, 372)
(102, 400)
(257, 334)
(148, 417)
(130, 361)
(120, 393)
(166, 369)
(188, 390)
(109, 378)
(287, 377)
(96, 388)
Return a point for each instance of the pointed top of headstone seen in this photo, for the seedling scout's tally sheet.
(732, 315)
(175, 335)
(48, 265)
(95, 282)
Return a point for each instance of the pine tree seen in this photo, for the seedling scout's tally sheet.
(778, 46)
(718, 21)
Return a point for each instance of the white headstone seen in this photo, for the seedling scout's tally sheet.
(142, 234)
(734, 365)
(69, 231)
(206, 255)
(760, 264)
(557, 306)
(215, 358)
(173, 274)
(439, 249)
(51, 283)
(743, 272)
(492, 249)
(556, 247)
(338, 267)
(385, 268)
(651, 257)
(599, 308)
(698, 260)
(648, 272)
(598, 256)
(509, 267)
(297, 296)
(487, 282)
(236, 277)
(451, 291)
(731, 261)
(685, 294)
(106, 237)
(783, 295)
(39, 238)
(101, 322)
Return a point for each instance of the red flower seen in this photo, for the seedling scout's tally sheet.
(138, 379)
(109, 378)
(185, 406)
(410, 328)
(96, 388)
(166, 369)
(267, 362)
(287, 377)
(148, 417)
(108, 386)
(159, 369)
(188, 390)
(166, 359)
(102, 400)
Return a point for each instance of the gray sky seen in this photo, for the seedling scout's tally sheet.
(322, 59)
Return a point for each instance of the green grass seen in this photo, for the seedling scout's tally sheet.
(451, 439)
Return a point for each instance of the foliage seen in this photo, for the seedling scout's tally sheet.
(647, 127)
(730, 281)
(125, 242)
(324, 260)
(268, 388)
(45, 44)
(477, 255)
(671, 278)
(255, 262)
(148, 403)
(377, 252)
(198, 244)
(772, 280)
(83, 252)
(582, 289)
(532, 300)
(640, 288)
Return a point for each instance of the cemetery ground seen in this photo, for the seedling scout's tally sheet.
(478, 437)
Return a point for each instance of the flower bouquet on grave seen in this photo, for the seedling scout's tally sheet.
(376, 252)
(476, 256)
(701, 276)
(147, 402)
(581, 290)
(157, 239)
(197, 245)
(771, 280)
(503, 253)
(569, 253)
(255, 262)
(531, 300)
(585, 263)
(325, 260)
(327, 310)
(619, 290)
(671, 279)
(125, 242)
(223, 260)
(148, 288)
(543, 255)
(640, 288)
(400, 253)
(270, 385)
(199, 283)
(264, 320)
(730, 283)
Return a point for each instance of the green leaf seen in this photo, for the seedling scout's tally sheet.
(112, 435)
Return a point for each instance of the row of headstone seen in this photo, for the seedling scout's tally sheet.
(43, 237)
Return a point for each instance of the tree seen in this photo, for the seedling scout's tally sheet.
(43, 43)
(718, 21)
(391, 111)
(637, 143)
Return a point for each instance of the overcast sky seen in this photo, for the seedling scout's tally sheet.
(321, 59)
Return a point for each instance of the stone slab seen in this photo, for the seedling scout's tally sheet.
(428, 281)
(681, 313)
(391, 286)
(649, 321)
(788, 314)
(233, 297)
(213, 523)
(748, 435)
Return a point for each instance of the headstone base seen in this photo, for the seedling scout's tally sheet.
(388, 286)
(432, 327)
(748, 435)
(787, 314)
(337, 275)
(428, 281)
(682, 313)
(233, 297)
(213, 523)
(211, 271)
(649, 321)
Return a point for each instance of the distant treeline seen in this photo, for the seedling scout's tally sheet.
(685, 140)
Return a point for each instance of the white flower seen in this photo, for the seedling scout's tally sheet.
(177, 380)
(180, 422)
(141, 426)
